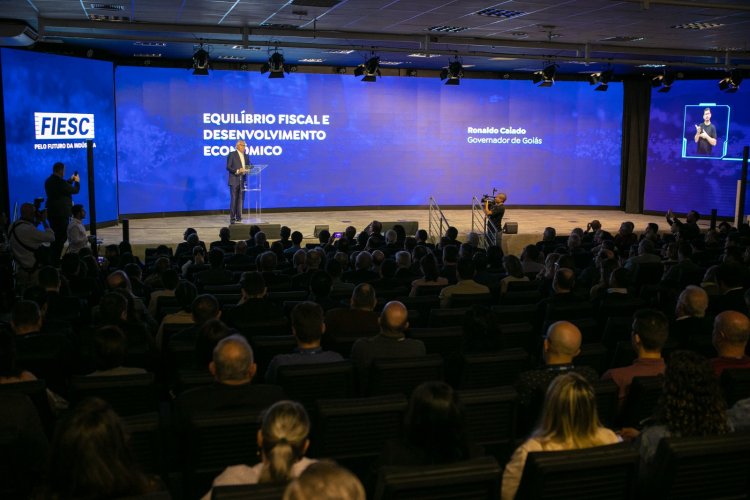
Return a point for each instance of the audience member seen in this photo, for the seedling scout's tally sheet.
(233, 368)
(687, 230)
(465, 285)
(514, 268)
(283, 442)
(308, 328)
(390, 342)
(648, 336)
(110, 353)
(430, 275)
(254, 306)
(325, 480)
(730, 335)
(569, 421)
(359, 320)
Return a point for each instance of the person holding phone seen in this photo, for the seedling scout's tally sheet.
(59, 206)
(705, 134)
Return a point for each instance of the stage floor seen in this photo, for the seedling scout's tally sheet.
(531, 223)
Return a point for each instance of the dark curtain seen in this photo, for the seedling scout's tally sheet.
(635, 117)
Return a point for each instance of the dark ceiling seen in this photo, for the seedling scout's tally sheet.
(490, 38)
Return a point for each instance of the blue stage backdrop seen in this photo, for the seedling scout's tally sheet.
(677, 175)
(51, 103)
(331, 140)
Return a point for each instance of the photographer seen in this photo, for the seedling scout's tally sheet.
(59, 206)
(25, 240)
(495, 215)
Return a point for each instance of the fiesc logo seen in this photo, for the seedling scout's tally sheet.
(57, 126)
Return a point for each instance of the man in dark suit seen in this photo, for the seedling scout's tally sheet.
(238, 164)
(60, 206)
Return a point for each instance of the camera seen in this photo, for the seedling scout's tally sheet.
(489, 199)
(338, 235)
(39, 213)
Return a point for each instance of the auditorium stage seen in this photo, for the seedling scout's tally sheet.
(150, 232)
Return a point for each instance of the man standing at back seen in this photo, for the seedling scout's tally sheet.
(238, 164)
(60, 206)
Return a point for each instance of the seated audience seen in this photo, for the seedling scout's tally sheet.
(515, 271)
(254, 306)
(434, 430)
(691, 404)
(730, 336)
(648, 336)
(359, 320)
(308, 328)
(283, 442)
(224, 242)
(325, 480)
(691, 328)
(430, 275)
(569, 421)
(217, 274)
(110, 353)
(90, 457)
(465, 285)
(391, 342)
(233, 369)
(185, 293)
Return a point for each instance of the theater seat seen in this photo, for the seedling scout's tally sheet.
(403, 375)
(263, 491)
(127, 394)
(641, 401)
(309, 382)
(603, 472)
(478, 479)
(701, 467)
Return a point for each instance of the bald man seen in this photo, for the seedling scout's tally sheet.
(691, 329)
(233, 368)
(561, 345)
(730, 336)
(390, 342)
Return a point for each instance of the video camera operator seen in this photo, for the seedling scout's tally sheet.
(25, 239)
(495, 210)
(60, 205)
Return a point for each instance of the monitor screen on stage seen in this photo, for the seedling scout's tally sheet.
(334, 141)
(53, 104)
(696, 137)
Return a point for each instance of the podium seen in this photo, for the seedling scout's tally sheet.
(252, 184)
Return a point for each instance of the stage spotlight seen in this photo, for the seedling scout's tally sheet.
(370, 68)
(275, 66)
(602, 78)
(545, 77)
(453, 73)
(731, 83)
(200, 62)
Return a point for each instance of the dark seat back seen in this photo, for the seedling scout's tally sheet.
(454, 316)
(36, 390)
(642, 400)
(702, 467)
(127, 394)
(309, 382)
(607, 398)
(265, 347)
(357, 427)
(446, 341)
(403, 375)
(471, 299)
(491, 417)
(603, 472)
(145, 433)
(262, 491)
(475, 479)
(736, 384)
(493, 369)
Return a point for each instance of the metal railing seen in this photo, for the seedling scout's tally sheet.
(481, 225)
(436, 223)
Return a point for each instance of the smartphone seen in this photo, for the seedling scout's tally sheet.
(100, 259)
(338, 235)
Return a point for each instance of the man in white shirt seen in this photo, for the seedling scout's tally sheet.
(77, 238)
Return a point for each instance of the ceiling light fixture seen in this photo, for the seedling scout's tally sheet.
(275, 66)
(602, 78)
(545, 77)
(453, 73)
(370, 69)
(731, 82)
(200, 61)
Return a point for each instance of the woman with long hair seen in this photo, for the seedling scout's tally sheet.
(569, 422)
(283, 442)
(434, 429)
(90, 458)
(514, 269)
(691, 404)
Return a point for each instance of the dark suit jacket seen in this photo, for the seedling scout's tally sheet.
(344, 322)
(60, 196)
(252, 311)
(233, 164)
